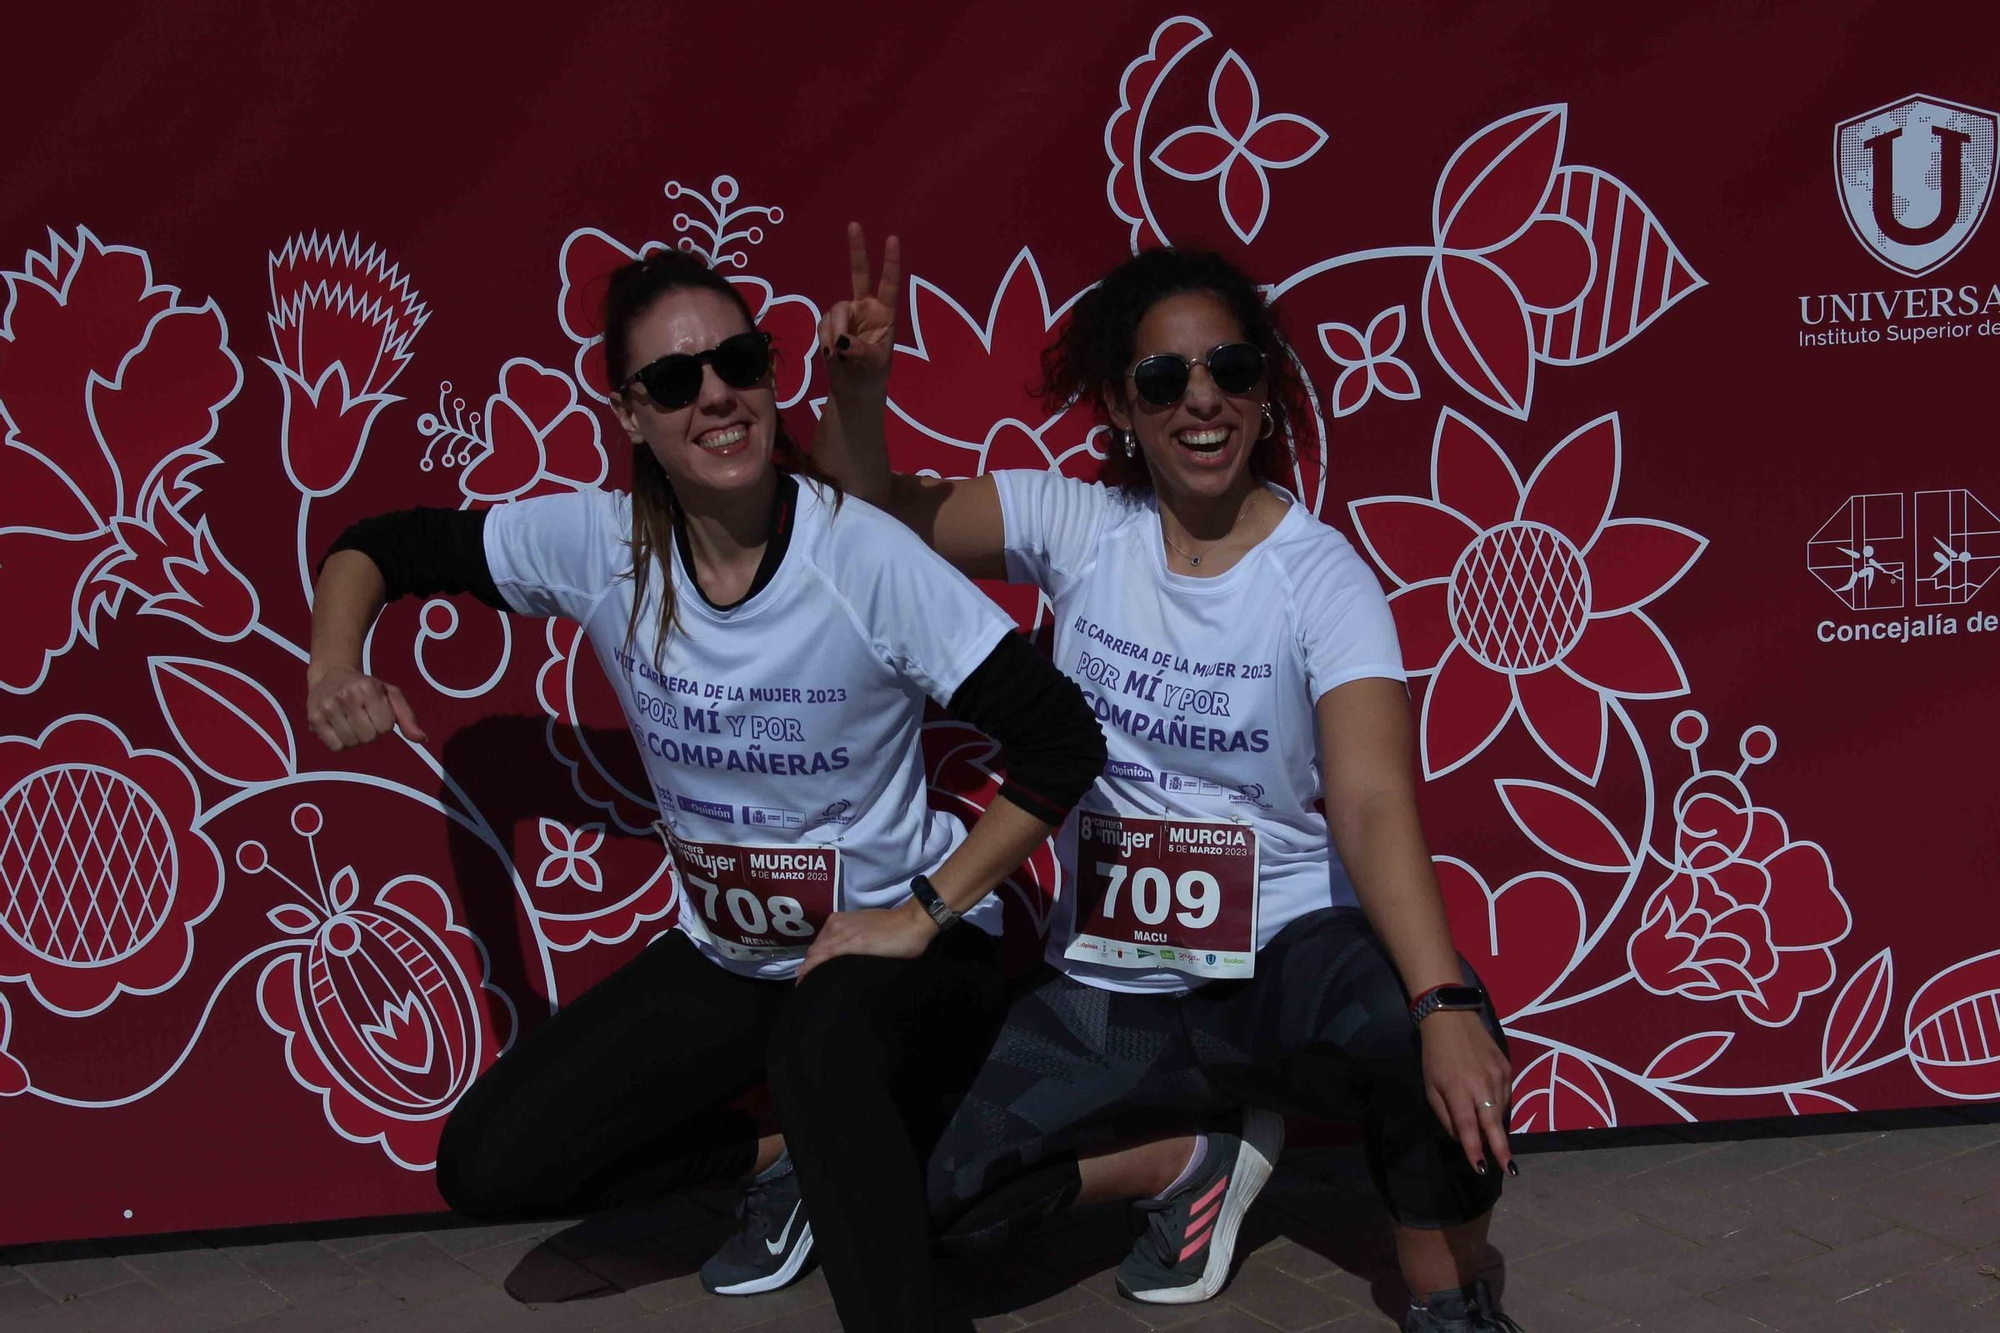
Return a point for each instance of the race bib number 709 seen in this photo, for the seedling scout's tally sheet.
(1166, 893)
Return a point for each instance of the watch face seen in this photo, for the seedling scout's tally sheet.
(1460, 997)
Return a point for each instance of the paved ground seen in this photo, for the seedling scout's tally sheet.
(1860, 1223)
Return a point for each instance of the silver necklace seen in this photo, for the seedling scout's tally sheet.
(1194, 561)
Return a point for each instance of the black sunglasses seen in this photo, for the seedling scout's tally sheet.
(1162, 378)
(674, 381)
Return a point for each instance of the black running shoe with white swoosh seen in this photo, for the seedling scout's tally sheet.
(772, 1247)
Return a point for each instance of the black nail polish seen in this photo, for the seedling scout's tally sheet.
(1480, 1166)
(841, 342)
(1513, 1168)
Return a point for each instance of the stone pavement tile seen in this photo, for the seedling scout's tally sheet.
(1733, 1161)
(640, 1264)
(1812, 1213)
(1547, 1309)
(1759, 1248)
(223, 1305)
(1267, 1292)
(132, 1307)
(302, 1270)
(1691, 1213)
(468, 1311)
(535, 1274)
(185, 1267)
(1642, 1150)
(682, 1303)
(69, 1268)
(1855, 1168)
(1694, 1316)
(1923, 1303)
(22, 1297)
(1974, 1278)
(417, 1271)
(1857, 1267)
(1632, 1293)
(817, 1319)
(611, 1231)
(1517, 1236)
(464, 1240)
(1790, 1305)
(1570, 1212)
(344, 1307)
(1096, 1317)
(1175, 1317)
(1962, 1226)
(345, 1241)
(1628, 1246)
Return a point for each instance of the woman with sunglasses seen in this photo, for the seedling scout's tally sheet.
(1219, 942)
(773, 651)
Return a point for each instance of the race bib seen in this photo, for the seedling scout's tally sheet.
(1172, 893)
(756, 901)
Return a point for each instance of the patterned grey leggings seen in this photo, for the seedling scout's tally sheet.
(1323, 1030)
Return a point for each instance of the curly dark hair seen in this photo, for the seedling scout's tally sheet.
(1093, 350)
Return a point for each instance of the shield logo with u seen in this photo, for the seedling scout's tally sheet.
(1915, 178)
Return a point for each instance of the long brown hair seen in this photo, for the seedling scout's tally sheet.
(631, 292)
(1093, 350)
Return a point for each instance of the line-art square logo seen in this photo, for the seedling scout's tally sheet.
(1862, 554)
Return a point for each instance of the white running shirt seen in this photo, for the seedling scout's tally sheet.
(1206, 689)
(788, 721)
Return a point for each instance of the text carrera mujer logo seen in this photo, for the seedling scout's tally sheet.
(1915, 178)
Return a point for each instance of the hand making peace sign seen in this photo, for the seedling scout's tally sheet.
(858, 336)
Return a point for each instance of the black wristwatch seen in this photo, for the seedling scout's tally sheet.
(926, 894)
(1446, 997)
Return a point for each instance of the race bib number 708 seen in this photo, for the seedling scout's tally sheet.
(756, 902)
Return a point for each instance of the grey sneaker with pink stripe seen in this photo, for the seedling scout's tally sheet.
(1190, 1236)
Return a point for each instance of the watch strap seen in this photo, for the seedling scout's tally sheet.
(1453, 995)
(929, 899)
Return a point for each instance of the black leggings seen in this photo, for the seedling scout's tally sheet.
(622, 1096)
(1322, 1030)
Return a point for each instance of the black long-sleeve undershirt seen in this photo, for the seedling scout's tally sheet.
(1051, 746)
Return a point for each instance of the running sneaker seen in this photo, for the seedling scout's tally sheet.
(1190, 1235)
(1470, 1309)
(772, 1247)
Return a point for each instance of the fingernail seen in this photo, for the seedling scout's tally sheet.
(841, 342)
(1480, 1166)
(1513, 1168)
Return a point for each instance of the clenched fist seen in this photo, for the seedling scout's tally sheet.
(349, 707)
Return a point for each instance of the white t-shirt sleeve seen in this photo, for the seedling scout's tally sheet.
(1346, 630)
(927, 621)
(555, 555)
(1051, 524)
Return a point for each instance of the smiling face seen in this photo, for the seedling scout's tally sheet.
(1199, 446)
(720, 442)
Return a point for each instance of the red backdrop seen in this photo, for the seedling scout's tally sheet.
(1647, 351)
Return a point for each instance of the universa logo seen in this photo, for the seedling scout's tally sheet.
(1915, 179)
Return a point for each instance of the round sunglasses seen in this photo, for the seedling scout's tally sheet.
(1162, 378)
(674, 380)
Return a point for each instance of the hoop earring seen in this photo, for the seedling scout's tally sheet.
(1131, 449)
(1270, 424)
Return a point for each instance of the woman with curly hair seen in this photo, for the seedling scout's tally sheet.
(1220, 942)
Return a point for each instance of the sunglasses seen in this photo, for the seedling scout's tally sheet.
(674, 381)
(1162, 378)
